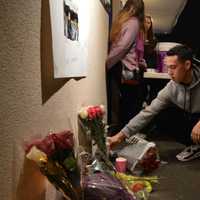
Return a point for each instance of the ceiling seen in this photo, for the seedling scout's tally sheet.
(165, 13)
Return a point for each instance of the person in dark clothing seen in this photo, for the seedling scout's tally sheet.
(149, 43)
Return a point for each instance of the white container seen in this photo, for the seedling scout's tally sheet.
(161, 49)
(165, 46)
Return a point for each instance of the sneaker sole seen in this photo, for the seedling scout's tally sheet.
(197, 155)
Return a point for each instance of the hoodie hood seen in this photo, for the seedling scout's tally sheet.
(195, 76)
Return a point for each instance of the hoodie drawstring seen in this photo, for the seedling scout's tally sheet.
(187, 113)
(184, 103)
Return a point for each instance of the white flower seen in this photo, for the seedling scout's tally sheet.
(35, 154)
(83, 113)
(102, 108)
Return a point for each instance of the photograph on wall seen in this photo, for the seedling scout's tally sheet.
(107, 5)
(71, 28)
(69, 24)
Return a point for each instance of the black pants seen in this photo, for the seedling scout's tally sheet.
(124, 100)
(132, 98)
(176, 123)
(114, 95)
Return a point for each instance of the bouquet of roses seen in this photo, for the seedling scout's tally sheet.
(54, 155)
(91, 120)
(97, 179)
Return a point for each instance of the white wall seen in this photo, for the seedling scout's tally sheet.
(32, 102)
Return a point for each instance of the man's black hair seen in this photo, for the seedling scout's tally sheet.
(182, 51)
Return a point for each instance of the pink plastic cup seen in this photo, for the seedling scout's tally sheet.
(120, 164)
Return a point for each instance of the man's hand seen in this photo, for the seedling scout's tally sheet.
(115, 140)
(196, 133)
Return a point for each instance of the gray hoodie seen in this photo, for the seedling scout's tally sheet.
(185, 97)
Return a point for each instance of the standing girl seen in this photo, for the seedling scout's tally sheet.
(125, 94)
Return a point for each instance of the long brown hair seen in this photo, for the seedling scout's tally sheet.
(149, 33)
(132, 8)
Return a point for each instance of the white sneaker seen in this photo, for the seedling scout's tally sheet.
(189, 153)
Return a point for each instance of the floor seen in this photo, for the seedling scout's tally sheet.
(178, 180)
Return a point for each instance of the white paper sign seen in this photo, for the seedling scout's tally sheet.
(70, 27)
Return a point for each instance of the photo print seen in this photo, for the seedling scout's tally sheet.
(71, 22)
